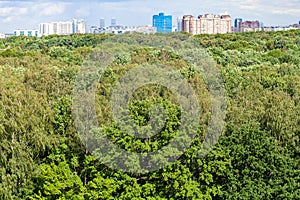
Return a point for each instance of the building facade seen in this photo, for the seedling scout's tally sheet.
(113, 22)
(250, 26)
(94, 30)
(162, 23)
(280, 28)
(102, 23)
(126, 29)
(79, 26)
(207, 24)
(58, 28)
(179, 24)
(63, 28)
(29, 33)
(146, 29)
(237, 22)
(189, 24)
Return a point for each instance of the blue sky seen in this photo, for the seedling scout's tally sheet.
(29, 13)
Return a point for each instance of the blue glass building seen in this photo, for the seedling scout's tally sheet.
(237, 22)
(163, 23)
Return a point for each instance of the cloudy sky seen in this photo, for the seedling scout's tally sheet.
(28, 14)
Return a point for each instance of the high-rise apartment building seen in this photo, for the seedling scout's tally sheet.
(113, 22)
(206, 24)
(237, 22)
(102, 23)
(190, 24)
(63, 28)
(225, 24)
(179, 24)
(58, 28)
(162, 23)
(79, 26)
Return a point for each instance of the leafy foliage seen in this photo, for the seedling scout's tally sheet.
(257, 157)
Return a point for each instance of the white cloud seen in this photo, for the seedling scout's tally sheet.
(28, 14)
(5, 11)
(8, 19)
(294, 12)
(83, 12)
(49, 8)
(12, 11)
(251, 5)
(11, 14)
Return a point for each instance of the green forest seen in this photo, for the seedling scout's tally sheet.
(256, 157)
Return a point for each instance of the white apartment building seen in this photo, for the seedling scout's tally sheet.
(58, 28)
(284, 28)
(79, 26)
(63, 28)
(146, 29)
(2, 35)
(127, 29)
(179, 24)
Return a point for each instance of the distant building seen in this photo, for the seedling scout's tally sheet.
(63, 28)
(2, 35)
(58, 28)
(190, 23)
(281, 28)
(79, 26)
(94, 29)
(29, 33)
(174, 29)
(113, 22)
(146, 29)
(102, 23)
(8, 35)
(179, 24)
(268, 29)
(163, 23)
(250, 26)
(127, 29)
(237, 22)
(206, 24)
(297, 26)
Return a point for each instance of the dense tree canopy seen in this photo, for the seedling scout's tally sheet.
(257, 156)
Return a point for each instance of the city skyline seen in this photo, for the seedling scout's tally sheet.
(28, 14)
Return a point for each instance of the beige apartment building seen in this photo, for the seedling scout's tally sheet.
(206, 24)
